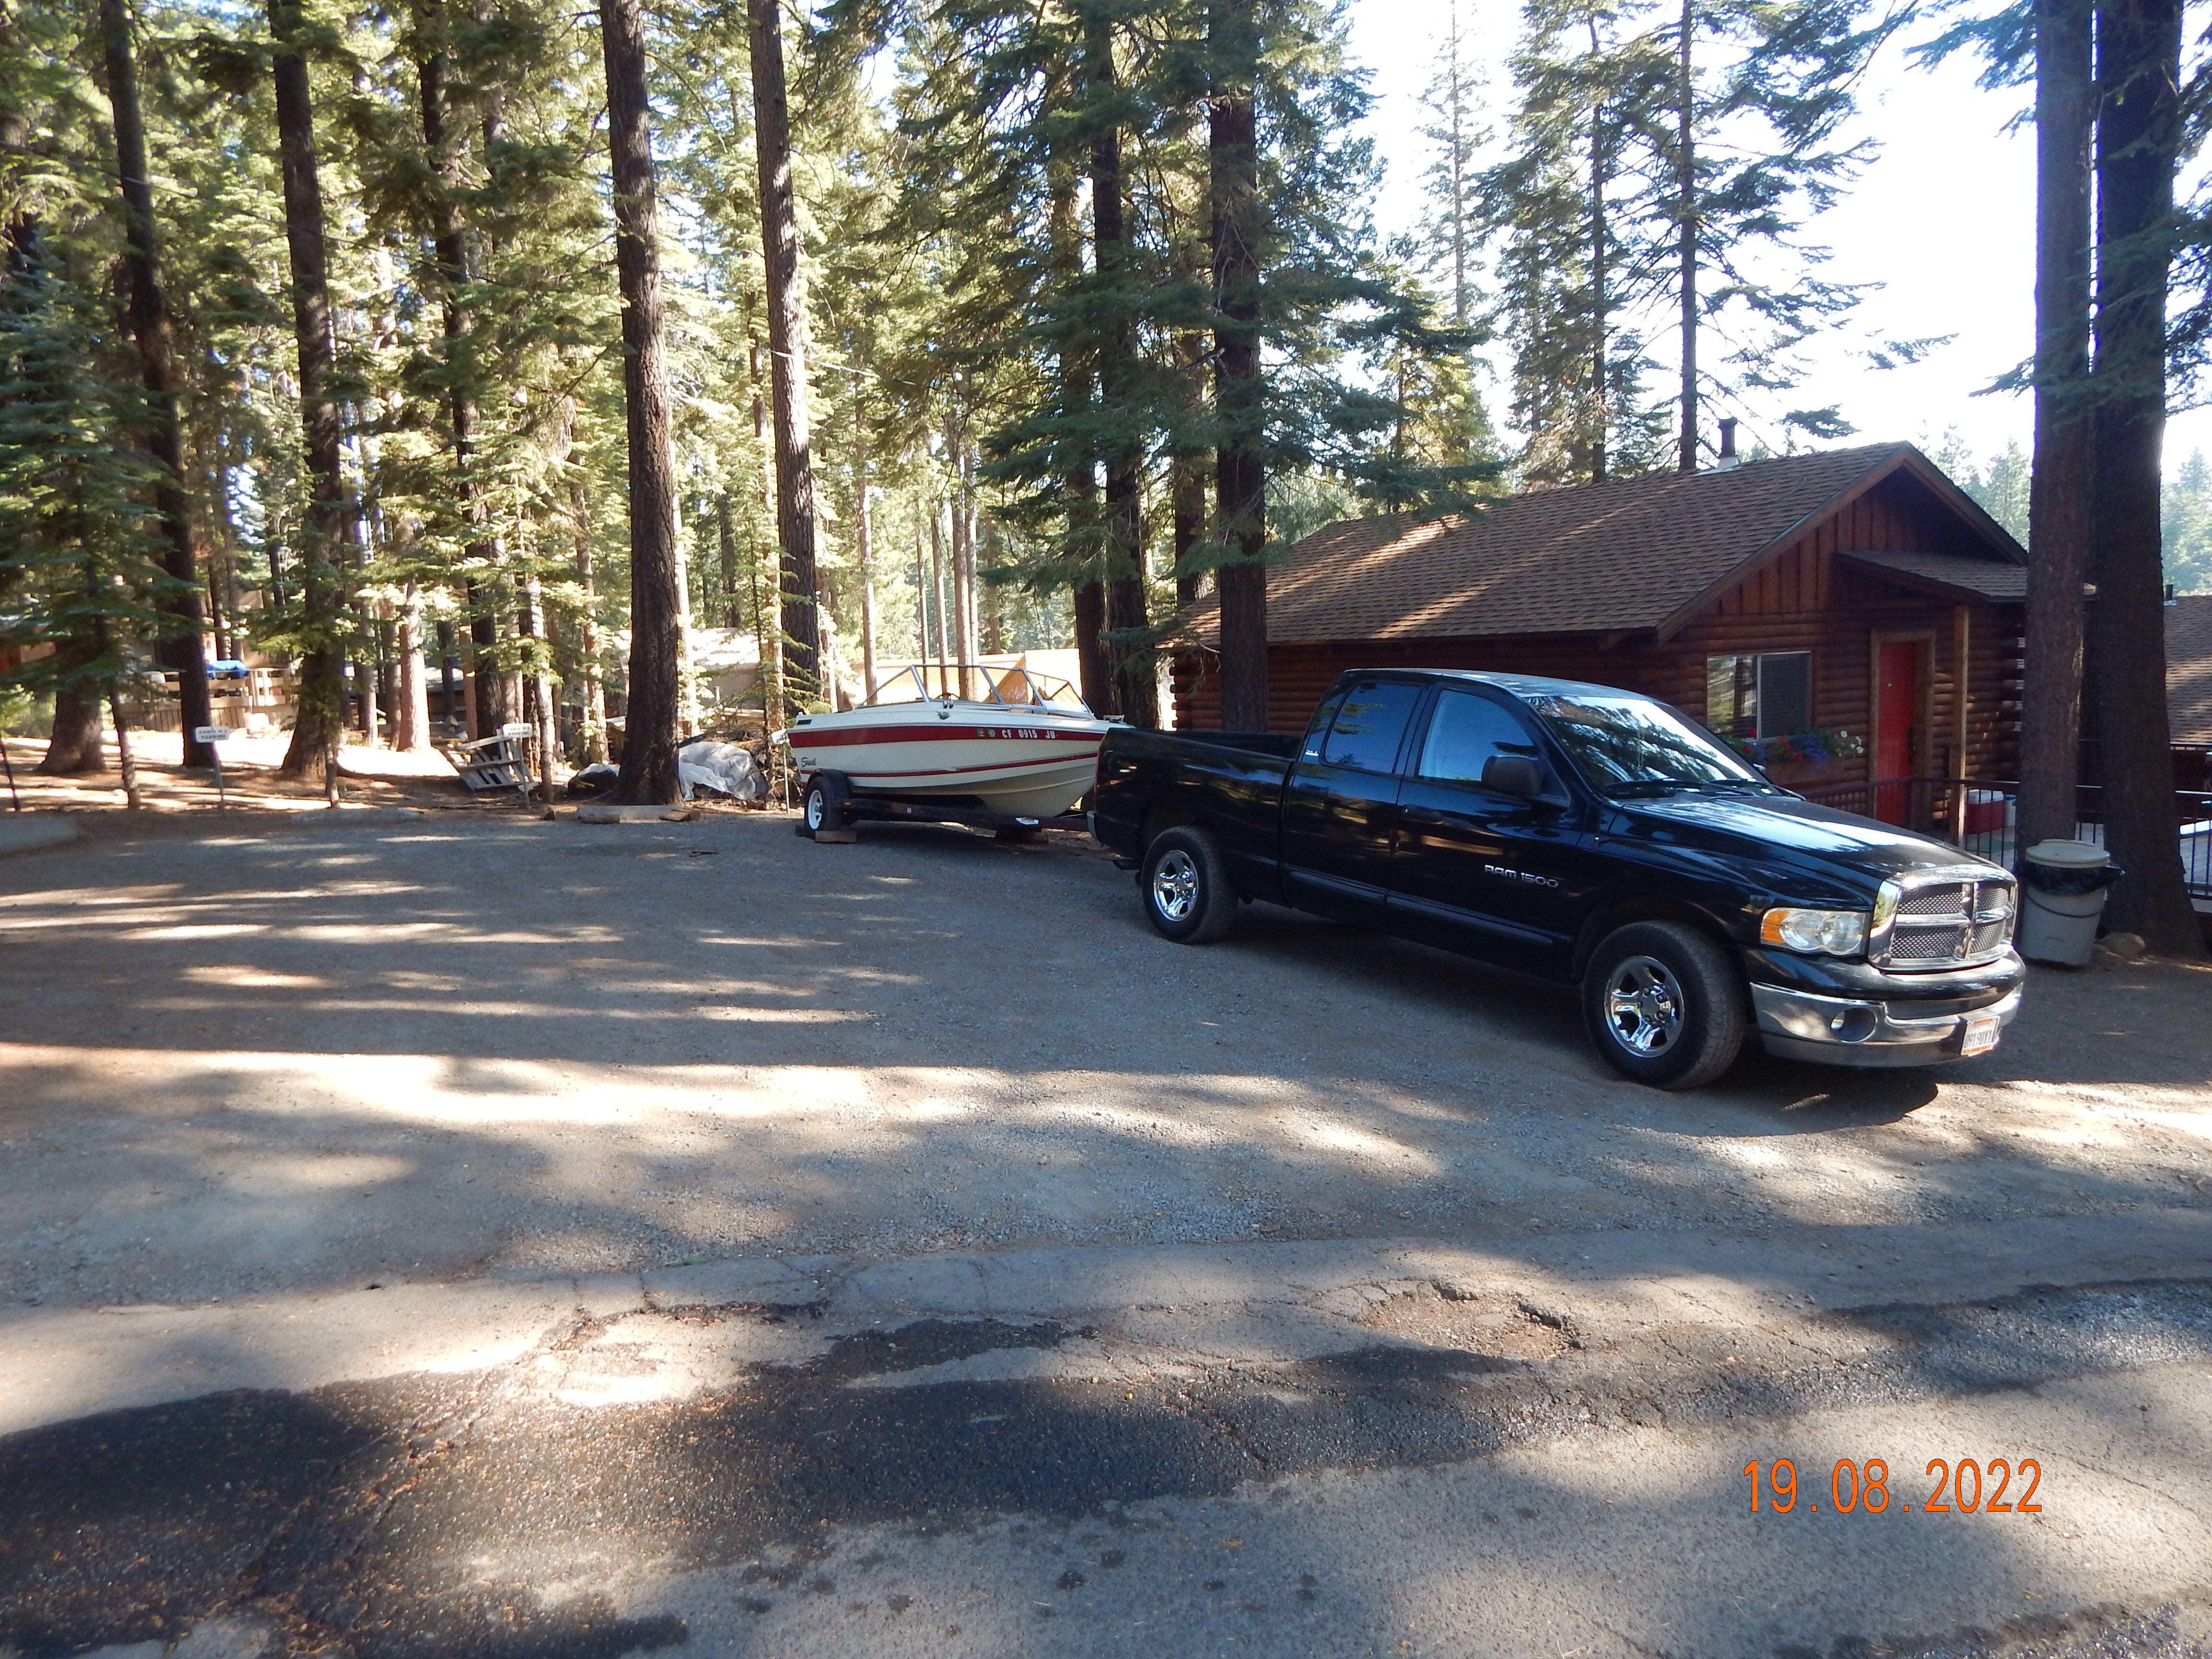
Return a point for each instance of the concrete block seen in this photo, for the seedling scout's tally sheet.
(602, 812)
(232, 1636)
(22, 832)
(604, 1296)
(756, 1281)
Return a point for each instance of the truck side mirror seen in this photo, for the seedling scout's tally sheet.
(1513, 775)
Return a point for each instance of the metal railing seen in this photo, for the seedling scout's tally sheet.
(1978, 815)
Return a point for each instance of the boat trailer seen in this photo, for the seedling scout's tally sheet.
(829, 810)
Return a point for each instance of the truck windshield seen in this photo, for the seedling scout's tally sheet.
(1633, 746)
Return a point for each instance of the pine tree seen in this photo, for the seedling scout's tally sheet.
(2138, 145)
(182, 648)
(319, 633)
(1581, 245)
(2185, 525)
(648, 764)
(1670, 156)
(80, 542)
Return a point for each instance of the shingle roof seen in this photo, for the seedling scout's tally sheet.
(2189, 668)
(1953, 575)
(1628, 554)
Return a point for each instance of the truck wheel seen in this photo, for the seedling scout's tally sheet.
(1664, 1005)
(1185, 887)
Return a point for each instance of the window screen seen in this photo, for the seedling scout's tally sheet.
(1766, 696)
(1369, 724)
(1465, 732)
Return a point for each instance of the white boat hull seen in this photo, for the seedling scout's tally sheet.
(1028, 765)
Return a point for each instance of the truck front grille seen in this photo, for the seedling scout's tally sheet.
(1950, 924)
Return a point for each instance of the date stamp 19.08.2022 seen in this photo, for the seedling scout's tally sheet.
(1971, 1486)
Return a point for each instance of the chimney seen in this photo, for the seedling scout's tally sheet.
(1728, 460)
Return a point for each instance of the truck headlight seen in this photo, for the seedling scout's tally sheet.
(1824, 932)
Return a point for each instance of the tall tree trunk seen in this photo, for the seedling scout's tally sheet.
(2138, 142)
(649, 762)
(1601, 300)
(319, 727)
(540, 705)
(1136, 695)
(594, 749)
(1686, 231)
(183, 650)
(73, 746)
(947, 651)
(961, 505)
(1458, 141)
(787, 339)
(1187, 484)
(1239, 396)
(725, 574)
(126, 761)
(863, 544)
(411, 715)
(450, 260)
(2059, 484)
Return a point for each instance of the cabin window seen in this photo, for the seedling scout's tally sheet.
(1766, 696)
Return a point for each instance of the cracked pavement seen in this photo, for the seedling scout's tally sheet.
(519, 1239)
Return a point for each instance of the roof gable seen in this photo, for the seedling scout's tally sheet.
(1629, 555)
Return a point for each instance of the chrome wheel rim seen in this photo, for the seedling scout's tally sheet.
(1644, 1006)
(1175, 885)
(816, 806)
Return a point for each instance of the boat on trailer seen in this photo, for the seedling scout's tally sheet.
(959, 741)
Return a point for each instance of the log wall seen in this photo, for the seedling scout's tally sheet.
(1799, 600)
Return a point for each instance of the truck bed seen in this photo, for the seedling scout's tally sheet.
(1233, 779)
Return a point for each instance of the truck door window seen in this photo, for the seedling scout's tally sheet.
(1318, 734)
(1465, 730)
(1369, 724)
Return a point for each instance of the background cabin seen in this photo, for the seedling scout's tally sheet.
(1853, 609)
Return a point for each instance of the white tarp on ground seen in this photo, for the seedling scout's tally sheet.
(727, 768)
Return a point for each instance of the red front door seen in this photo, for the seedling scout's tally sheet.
(1897, 726)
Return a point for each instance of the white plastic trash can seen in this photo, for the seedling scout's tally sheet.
(2062, 897)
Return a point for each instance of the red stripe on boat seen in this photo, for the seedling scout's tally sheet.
(839, 737)
(951, 771)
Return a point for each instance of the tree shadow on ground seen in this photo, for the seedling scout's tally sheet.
(574, 1048)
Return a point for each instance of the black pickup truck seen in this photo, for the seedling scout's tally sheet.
(1590, 835)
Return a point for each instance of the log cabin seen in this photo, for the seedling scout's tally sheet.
(1855, 598)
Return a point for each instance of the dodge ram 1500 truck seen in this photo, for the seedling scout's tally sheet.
(1590, 835)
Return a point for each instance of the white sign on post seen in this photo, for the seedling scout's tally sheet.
(216, 734)
(522, 760)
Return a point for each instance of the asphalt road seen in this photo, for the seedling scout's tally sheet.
(1310, 1294)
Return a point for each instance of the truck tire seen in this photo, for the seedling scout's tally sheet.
(1664, 1005)
(1184, 887)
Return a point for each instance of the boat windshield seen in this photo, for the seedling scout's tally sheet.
(1016, 688)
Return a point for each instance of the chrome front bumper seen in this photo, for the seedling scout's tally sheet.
(1846, 1031)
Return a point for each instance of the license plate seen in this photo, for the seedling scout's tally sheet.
(1981, 1035)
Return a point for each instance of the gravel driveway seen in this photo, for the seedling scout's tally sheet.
(416, 1050)
(369, 1185)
